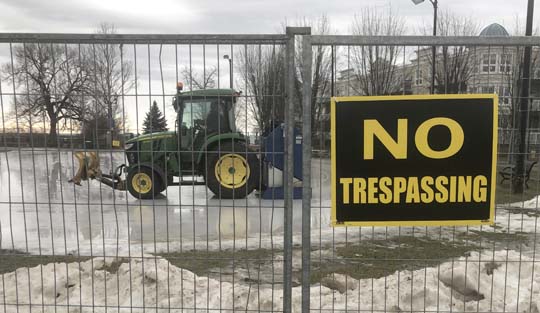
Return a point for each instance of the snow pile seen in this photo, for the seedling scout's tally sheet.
(527, 204)
(485, 282)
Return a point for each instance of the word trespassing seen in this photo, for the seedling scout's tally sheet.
(426, 189)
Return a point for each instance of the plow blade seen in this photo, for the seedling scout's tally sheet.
(88, 167)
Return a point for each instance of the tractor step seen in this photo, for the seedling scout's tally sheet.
(187, 183)
(192, 181)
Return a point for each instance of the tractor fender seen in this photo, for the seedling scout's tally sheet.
(214, 140)
(156, 168)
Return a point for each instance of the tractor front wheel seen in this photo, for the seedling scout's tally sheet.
(232, 171)
(143, 183)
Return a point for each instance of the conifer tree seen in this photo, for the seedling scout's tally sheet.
(154, 121)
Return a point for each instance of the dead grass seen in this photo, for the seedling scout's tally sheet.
(202, 262)
(10, 260)
(379, 258)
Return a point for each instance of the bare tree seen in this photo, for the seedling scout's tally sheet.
(320, 80)
(512, 80)
(263, 72)
(110, 77)
(263, 69)
(51, 77)
(375, 66)
(27, 122)
(513, 73)
(512, 83)
(197, 80)
(454, 64)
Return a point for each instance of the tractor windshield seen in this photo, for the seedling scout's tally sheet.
(206, 115)
(195, 113)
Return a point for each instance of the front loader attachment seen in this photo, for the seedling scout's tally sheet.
(89, 169)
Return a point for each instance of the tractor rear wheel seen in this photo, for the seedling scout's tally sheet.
(144, 183)
(232, 171)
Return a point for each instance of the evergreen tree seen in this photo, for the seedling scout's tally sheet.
(154, 121)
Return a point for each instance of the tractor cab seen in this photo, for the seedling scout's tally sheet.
(204, 113)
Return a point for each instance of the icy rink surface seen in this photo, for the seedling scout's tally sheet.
(41, 213)
(477, 285)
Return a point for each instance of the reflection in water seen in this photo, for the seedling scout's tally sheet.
(233, 223)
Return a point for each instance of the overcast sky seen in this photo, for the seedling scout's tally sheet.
(205, 16)
(234, 16)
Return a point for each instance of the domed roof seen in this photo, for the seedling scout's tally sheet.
(494, 29)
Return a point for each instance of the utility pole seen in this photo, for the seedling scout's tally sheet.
(434, 49)
(518, 181)
(435, 4)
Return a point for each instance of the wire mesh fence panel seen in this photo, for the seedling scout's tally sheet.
(489, 268)
(172, 173)
(134, 173)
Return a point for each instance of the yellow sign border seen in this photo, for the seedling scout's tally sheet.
(491, 220)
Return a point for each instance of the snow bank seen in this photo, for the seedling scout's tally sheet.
(486, 282)
(527, 204)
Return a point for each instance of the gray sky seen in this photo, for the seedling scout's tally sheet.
(234, 16)
(205, 16)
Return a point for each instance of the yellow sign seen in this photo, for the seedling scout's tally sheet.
(414, 160)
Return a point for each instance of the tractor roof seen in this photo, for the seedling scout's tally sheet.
(209, 93)
(152, 136)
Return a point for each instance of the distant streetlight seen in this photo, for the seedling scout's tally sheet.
(226, 57)
(435, 6)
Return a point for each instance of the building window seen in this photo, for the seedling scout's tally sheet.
(418, 80)
(489, 63)
(505, 64)
(487, 89)
(504, 95)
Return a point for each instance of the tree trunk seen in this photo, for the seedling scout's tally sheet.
(52, 133)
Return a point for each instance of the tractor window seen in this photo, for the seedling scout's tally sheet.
(195, 113)
(230, 109)
(206, 116)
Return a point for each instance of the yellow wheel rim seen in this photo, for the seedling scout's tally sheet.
(232, 171)
(142, 183)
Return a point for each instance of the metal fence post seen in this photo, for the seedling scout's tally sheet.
(289, 163)
(306, 171)
(288, 181)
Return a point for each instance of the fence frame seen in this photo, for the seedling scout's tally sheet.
(288, 39)
(308, 43)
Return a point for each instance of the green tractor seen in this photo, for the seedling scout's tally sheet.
(204, 143)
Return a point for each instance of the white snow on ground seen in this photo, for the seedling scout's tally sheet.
(528, 204)
(478, 283)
